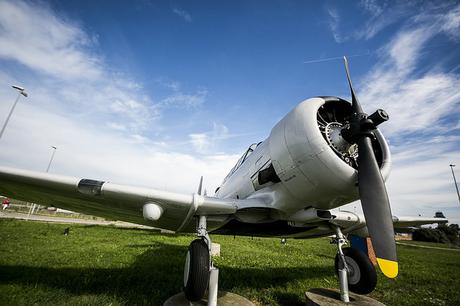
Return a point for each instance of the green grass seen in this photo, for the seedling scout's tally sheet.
(97, 265)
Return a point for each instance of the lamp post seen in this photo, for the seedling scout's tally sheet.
(51, 159)
(455, 181)
(21, 91)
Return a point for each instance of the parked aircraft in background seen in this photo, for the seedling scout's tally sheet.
(323, 154)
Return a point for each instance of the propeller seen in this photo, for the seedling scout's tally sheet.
(372, 191)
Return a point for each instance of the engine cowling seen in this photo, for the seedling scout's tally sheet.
(311, 158)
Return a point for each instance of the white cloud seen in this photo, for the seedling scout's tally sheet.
(205, 142)
(97, 117)
(95, 153)
(180, 99)
(379, 15)
(200, 141)
(405, 47)
(450, 22)
(45, 43)
(414, 102)
(63, 73)
(334, 24)
(183, 14)
(374, 7)
(422, 142)
(425, 186)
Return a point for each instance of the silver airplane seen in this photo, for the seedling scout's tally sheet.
(323, 154)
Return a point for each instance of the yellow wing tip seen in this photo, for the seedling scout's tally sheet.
(388, 267)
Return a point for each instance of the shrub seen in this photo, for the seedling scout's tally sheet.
(430, 235)
(451, 232)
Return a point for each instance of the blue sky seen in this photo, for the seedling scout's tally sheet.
(158, 93)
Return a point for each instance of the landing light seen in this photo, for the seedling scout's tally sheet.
(152, 211)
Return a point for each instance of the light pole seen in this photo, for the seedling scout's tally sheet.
(455, 181)
(51, 159)
(21, 91)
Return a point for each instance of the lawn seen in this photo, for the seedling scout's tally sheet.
(112, 266)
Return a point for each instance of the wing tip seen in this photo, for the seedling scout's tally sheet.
(388, 267)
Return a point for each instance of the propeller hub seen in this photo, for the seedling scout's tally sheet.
(361, 124)
(353, 129)
(378, 117)
(339, 143)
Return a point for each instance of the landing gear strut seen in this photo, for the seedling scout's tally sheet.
(199, 272)
(355, 270)
(340, 240)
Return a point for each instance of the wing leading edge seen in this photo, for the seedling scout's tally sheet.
(114, 201)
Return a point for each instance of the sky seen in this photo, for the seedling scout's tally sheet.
(158, 93)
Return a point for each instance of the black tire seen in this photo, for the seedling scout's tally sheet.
(196, 270)
(362, 277)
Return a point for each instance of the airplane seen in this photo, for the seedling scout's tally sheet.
(325, 153)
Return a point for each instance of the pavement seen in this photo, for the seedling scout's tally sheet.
(64, 220)
(427, 247)
(223, 299)
(331, 297)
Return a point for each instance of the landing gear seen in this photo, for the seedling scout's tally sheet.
(355, 270)
(196, 270)
(199, 271)
(362, 277)
(340, 240)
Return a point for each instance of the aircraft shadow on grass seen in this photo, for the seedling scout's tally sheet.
(156, 275)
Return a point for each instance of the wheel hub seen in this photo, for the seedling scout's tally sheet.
(354, 274)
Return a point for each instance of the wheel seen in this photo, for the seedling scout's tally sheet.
(362, 277)
(196, 271)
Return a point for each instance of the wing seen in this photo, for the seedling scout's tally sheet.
(114, 201)
(353, 223)
(356, 223)
(401, 222)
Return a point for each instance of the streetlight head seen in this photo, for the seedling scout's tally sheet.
(452, 165)
(53, 147)
(21, 90)
(18, 87)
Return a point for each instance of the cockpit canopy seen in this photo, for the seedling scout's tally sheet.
(242, 159)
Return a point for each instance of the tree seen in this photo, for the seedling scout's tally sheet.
(441, 234)
(450, 232)
(430, 235)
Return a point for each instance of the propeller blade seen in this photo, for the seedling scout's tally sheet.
(372, 191)
(376, 208)
(354, 100)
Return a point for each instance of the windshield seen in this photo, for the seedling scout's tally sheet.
(242, 159)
